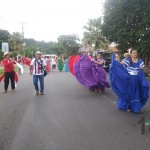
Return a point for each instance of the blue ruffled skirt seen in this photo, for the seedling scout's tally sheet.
(132, 90)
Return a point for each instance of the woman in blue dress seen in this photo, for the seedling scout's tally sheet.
(129, 83)
(66, 67)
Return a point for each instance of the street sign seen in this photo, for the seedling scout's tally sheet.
(23, 44)
(5, 47)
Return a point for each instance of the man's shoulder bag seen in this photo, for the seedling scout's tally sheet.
(41, 64)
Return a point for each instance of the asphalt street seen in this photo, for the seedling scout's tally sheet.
(67, 117)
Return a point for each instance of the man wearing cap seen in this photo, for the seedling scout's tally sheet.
(37, 67)
(8, 64)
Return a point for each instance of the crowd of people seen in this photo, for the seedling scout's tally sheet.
(126, 77)
(39, 66)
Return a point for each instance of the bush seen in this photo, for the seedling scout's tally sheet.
(1, 55)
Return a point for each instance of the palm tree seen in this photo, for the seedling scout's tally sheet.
(16, 41)
(93, 35)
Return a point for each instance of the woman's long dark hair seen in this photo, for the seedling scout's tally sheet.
(132, 49)
(97, 54)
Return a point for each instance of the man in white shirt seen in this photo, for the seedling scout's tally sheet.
(37, 67)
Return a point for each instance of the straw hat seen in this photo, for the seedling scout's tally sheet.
(126, 54)
(38, 52)
(6, 53)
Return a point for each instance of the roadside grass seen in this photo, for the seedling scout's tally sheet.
(2, 70)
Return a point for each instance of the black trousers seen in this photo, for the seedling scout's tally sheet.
(11, 76)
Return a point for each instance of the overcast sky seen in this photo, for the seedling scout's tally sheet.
(47, 19)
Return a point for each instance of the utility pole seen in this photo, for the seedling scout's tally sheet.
(23, 44)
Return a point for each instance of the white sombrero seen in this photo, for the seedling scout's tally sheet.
(38, 52)
(6, 53)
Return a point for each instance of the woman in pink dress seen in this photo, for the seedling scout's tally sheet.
(48, 62)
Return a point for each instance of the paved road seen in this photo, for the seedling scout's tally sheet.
(67, 117)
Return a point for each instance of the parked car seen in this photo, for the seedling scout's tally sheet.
(106, 57)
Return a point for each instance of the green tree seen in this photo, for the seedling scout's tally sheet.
(127, 23)
(56, 48)
(93, 35)
(16, 41)
(46, 48)
(4, 37)
(31, 47)
(70, 43)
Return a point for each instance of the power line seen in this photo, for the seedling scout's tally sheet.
(22, 27)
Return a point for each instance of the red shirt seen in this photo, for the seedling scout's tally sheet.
(8, 65)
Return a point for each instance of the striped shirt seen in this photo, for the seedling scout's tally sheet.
(133, 67)
(38, 67)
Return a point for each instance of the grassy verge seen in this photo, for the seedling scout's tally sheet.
(2, 70)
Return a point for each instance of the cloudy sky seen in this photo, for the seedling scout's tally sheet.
(47, 19)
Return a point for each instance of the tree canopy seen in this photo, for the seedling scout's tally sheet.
(127, 22)
(4, 37)
(16, 41)
(66, 45)
(92, 34)
(70, 43)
